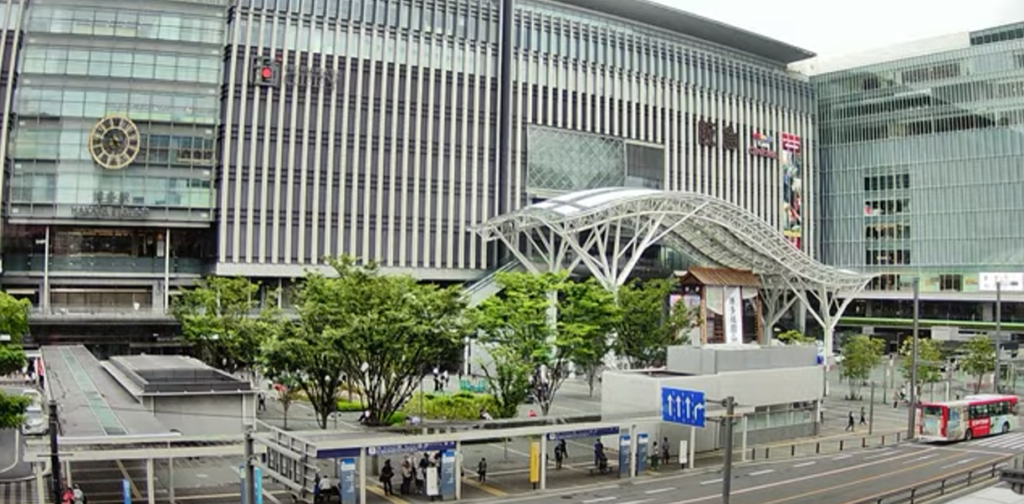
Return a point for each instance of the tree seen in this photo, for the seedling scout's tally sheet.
(794, 337)
(979, 359)
(587, 313)
(217, 317)
(12, 410)
(508, 376)
(929, 361)
(287, 391)
(310, 360)
(861, 355)
(644, 331)
(14, 323)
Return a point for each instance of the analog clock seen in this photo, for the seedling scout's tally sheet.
(114, 142)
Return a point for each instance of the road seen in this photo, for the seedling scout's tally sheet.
(833, 479)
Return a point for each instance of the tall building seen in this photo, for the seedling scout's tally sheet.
(255, 137)
(922, 175)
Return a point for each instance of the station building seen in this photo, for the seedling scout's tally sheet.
(149, 145)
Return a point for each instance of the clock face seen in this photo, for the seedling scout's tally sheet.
(114, 142)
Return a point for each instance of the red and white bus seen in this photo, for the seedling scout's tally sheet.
(973, 416)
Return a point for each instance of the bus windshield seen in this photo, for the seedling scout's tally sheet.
(931, 411)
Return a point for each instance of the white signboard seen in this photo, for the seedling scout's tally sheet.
(733, 315)
(684, 453)
(1008, 282)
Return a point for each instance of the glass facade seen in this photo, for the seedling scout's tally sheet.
(921, 165)
(86, 62)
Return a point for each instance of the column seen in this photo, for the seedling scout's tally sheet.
(167, 270)
(40, 484)
(362, 475)
(693, 447)
(44, 297)
(458, 470)
(150, 482)
(632, 450)
(543, 462)
(744, 442)
(170, 479)
(67, 473)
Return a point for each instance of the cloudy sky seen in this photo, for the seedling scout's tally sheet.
(838, 28)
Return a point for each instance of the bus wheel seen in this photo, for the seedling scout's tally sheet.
(1006, 428)
(968, 435)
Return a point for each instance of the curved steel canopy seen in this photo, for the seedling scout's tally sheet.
(710, 231)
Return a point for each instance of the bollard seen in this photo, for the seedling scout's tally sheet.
(841, 444)
(767, 453)
(792, 450)
(883, 439)
(817, 447)
(899, 435)
(863, 442)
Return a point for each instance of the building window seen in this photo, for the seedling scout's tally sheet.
(951, 282)
(887, 257)
(885, 283)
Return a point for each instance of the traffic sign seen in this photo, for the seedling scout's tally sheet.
(682, 406)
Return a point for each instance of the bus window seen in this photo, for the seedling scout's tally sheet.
(931, 411)
(1013, 408)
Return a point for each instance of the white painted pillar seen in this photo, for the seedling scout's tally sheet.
(40, 484)
(458, 470)
(744, 442)
(150, 482)
(693, 447)
(632, 450)
(67, 472)
(170, 479)
(362, 476)
(543, 462)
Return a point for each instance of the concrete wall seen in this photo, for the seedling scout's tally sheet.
(203, 414)
(711, 360)
(637, 395)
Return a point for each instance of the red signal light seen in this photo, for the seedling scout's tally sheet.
(266, 72)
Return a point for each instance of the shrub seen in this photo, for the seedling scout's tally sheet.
(397, 418)
(460, 406)
(350, 406)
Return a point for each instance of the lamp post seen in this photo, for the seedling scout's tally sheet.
(998, 335)
(912, 409)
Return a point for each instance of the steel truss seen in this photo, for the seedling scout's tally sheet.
(607, 230)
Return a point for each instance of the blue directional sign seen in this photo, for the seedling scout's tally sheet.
(682, 406)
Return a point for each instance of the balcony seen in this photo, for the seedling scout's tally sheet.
(146, 266)
(58, 313)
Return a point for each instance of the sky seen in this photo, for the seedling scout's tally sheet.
(840, 28)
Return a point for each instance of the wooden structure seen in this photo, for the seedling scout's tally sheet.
(728, 301)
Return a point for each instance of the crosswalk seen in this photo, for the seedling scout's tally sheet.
(1010, 442)
(18, 492)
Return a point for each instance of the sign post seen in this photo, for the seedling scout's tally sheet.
(347, 480)
(999, 282)
(448, 471)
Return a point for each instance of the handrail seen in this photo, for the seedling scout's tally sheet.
(940, 485)
(482, 282)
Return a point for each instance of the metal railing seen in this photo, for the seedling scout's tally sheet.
(823, 446)
(939, 486)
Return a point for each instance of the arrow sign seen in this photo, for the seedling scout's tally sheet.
(681, 406)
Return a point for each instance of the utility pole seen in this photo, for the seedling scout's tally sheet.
(730, 411)
(871, 411)
(912, 408)
(249, 495)
(999, 335)
(55, 476)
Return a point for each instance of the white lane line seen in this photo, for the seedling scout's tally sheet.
(761, 473)
(711, 482)
(959, 462)
(636, 501)
(841, 457)
(599, 499)
(879, 455)
(918, 459)
(659, 490)
(805, 464)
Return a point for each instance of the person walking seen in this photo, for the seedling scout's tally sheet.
(850, 423)
(863, 416)
(262, 404)
(481, 471)
(386, 473)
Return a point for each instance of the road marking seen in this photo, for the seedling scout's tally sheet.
(711, 482)
(599, 499)
(485, 487)
(636, 501)
(510, 450)
(131, 483)
(805, 464)
(657, 491)
(842, 457)
(932, 480)
(959, 462)
(762, 472)
(17, 453)
(380, 493)
(879, 455)
(789, 481)
(859, 481)
(922, 457)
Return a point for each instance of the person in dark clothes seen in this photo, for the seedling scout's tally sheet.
(386, 473)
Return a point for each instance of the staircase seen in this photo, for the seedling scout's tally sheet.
(488, 286)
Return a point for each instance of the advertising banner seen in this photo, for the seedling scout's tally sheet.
(535, 462)
(791, 163)
(733, 315)
(347, 480)
(448, 475)
(642, 441)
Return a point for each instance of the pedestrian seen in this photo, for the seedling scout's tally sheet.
(655, 456)
(262, 398)
(558, 456)
(850, 422)
(863, 417)
(386, 473)
(481, 470)
(78, 495)
(665, 453)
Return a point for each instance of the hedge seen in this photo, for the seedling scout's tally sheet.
(350, 406)
(460, 406)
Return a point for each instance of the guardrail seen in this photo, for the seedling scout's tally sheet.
(939, 486)
(822, 446)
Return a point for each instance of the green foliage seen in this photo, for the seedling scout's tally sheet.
(508, 378)
(644, 332)
(587, 313)
(12, 358)
(12, 410)
(979, 359)
(929, 359)
(216, 317)
(288, 393)
(793, 337)
(345, 406)
(461, 406)
(861, 355)
(14, 316)
(379, 331)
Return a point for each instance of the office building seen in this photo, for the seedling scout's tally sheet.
(255, 137)
(921, 175)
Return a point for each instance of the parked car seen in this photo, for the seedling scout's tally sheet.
(36, 423)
